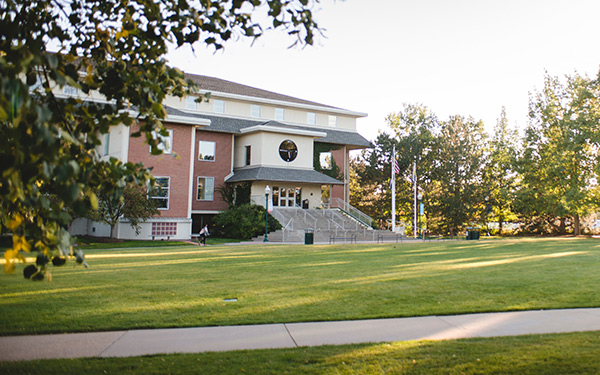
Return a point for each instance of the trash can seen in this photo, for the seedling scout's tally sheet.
(472, 233)
(309, 236)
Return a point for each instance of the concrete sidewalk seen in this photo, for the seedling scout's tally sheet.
(195, 340)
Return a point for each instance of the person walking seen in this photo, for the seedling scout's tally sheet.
(203, 234)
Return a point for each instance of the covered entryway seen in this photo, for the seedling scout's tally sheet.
(285, 196)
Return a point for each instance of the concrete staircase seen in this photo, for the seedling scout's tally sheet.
(330, 226)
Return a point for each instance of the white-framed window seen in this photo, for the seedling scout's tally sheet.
(106, 143)
(206, 150)
(190, 103)
(219, 106)
(326, 160)
(333, 121)
(311, 118)
(160, 193)
(166, 144)
(206, 189)
(254, 110)
(70, 90)
(279, 114)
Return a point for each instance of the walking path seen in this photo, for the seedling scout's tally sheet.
(291, 335)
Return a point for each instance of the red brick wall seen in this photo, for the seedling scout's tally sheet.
(339, 156)
(219, 168)
(175, 165)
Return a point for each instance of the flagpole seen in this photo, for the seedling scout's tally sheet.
(415, 182)
(393, 171)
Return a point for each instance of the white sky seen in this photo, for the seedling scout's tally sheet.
(465, 57)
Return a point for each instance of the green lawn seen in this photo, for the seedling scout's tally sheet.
(187, 285)
(572, 353)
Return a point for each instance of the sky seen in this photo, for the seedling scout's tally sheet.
(457, 57)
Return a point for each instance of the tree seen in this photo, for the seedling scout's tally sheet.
(115, 49)
(373, 170)
(130, 202)
(499, 175)
(456, 195)
(560, 162)
(416, 129)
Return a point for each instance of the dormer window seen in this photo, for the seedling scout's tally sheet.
(255, 111)
(333, 121)
(279, 114)
(190, 103)
(219, 106)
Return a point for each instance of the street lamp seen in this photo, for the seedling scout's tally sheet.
(488, 208)
(419, 197)
(267, 191)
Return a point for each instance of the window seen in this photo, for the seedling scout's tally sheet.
(219, 106)
(160, 193)
(206, 150)
(206, 188)
(325, 160)
(333, 121)
(166, 142)
(288, 150)
(311, 118)
(106, 143)
(190, 103)
(248, 155)
(255, 111)
(70, 90)
(279, 114)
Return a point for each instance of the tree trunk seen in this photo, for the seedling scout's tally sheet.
(576, 225)
(112, 231)
(500, 225)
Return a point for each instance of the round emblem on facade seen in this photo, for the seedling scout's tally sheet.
(288, 150)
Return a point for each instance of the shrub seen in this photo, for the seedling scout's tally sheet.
(243, 222)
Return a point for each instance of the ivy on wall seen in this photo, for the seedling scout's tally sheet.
(335, 170)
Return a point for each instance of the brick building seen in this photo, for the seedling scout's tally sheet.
(241, 136)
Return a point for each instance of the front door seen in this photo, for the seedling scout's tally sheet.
(287, 196)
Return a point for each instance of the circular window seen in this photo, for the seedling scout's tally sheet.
(288, 150)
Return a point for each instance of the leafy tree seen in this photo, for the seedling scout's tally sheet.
(108, 48)
(235, 195)
(456, 194)
(416, 129)
(373, 170)
(560, 162)
(130, 202)
(500, 176)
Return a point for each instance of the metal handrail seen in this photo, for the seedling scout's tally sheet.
(354, 212)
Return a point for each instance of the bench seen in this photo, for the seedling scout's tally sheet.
(333, 238)
(382, 238)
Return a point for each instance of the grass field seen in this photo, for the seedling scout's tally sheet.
(188, 285)
(179, 286)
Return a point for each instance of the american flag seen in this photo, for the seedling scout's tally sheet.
(395, 165)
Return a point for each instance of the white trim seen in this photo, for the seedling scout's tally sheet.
(232, 157)
(315, 107)
(275, 129)
(191, 172)
(187, 120)
(125, 143)
(200, 212)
